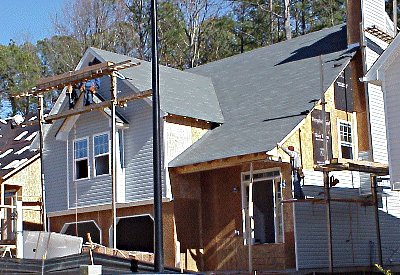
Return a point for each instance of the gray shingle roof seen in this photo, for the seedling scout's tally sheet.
(265, 83)
(181, 93)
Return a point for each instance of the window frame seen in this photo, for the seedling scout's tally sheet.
(103, 154)
(345, 143)
(79, 159)
(279, 222)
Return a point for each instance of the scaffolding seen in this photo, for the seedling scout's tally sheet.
(69, 79)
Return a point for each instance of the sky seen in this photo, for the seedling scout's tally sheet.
(27, 20)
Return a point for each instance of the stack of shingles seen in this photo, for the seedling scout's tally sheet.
(15, 144)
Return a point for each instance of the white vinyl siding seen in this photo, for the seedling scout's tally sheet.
(392, 111)
(353, 231)
(374, 14)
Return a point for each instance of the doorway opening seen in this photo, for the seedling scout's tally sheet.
(262, 211)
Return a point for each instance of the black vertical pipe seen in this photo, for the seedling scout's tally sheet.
(158, 228)
(377, 223)
(327, 192)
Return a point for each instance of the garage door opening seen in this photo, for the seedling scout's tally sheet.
(135, 233)
(83, 228)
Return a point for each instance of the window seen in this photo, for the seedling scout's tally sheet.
(101, 154)
(81, 159)
(346, 140)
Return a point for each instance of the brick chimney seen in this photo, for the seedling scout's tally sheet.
(354, 18)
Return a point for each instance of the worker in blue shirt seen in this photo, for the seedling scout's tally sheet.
(91, 87)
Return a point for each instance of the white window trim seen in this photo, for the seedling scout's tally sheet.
(244, 184)
(108, 153)
(345, 143)
(75, 159)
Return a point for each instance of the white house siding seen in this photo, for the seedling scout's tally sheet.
(55, 171)
(374, 14)
(353, 232)
(376, 108)
(139, 152)
(95, 190)
(392, 100)
(347, 179)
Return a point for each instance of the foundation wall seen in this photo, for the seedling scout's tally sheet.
(104, 221)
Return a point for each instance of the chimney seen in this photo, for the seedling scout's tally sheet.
(354, 19)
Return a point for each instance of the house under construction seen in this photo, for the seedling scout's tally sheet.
(227, 188)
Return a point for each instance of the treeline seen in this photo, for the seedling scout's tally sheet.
(191, 33)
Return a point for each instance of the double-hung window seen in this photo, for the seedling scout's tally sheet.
(346, 140)
(81, 159)
(101, 154)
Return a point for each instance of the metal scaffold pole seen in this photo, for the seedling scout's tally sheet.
(41, 122)
(113, 157)
(158, 227)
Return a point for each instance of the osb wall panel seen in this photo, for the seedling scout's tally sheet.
(197, 133)
(302, 138)
(29, 179)
(222, 218)
(104, 221)
(187, 209)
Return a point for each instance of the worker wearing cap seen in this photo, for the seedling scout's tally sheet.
(91, 86)
(297, 170)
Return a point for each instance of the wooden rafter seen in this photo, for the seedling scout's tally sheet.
(219, 163)
(355, 165)
(380, 34)
(97, 106)
(73, 77)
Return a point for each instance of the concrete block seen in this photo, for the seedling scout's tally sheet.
(90, 270)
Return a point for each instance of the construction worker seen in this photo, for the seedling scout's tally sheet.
(91, 87)
(297, 170)
(72, 93)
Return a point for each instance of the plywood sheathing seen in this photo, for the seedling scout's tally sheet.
(102, 218)
(305, 133)
(207, 235)
(29, 179)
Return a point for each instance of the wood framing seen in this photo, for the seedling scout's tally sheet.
(74, 77)
(188, 121)
(219, 163)
(97, 106)
(355, 165)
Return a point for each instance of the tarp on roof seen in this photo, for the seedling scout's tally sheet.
(266, 83)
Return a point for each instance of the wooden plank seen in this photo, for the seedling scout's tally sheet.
(366, 201)
(97, 106)
(188, 121)
(355, 165)
(74, 77)
(219, 163)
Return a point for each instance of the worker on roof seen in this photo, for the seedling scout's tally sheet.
(91, 87)
(72, 93)
(297, 170)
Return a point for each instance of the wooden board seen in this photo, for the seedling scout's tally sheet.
(73, 77)
(355, 165)
(97, 106)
